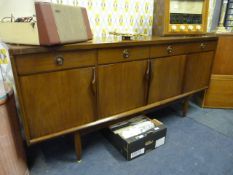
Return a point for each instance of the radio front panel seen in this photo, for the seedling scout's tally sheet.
(180, 17)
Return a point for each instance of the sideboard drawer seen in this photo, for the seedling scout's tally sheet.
(46, 62)
(122, 54)
(181, 48)
(201, 46)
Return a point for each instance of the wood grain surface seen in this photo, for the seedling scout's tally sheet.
(100, 82)
(37, 63)
(121, 87)
(167, 77)
(98, 43)
(220, 92)
(12, 155)
(223, 64)
(57, 101)
(197, 70)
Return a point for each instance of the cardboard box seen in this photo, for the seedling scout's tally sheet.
(136, 136)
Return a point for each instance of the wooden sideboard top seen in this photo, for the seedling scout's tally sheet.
(108, 43)
(225, 34)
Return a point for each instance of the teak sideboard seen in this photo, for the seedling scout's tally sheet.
(67, 89)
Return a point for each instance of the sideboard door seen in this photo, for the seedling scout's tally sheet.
(166, 77)
(57, 101)
(121, 87)
(198, 70)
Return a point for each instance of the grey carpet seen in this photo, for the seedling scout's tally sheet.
(191, 148)
(218, 119)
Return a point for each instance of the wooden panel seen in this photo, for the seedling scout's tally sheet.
(103, 43)
(118, 54)
(34, 63)
(121, 87)
(12, 156)
(167, 77)
(117, 118)
(223, 63)
(58, 101)
(220, 92)
(198, 70)
(181, 48)
(45, 97)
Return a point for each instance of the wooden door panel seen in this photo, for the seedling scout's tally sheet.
(223, 63)
(57, 101)
(198, 70)
(166, 77)
(121, 87)
(220, 92)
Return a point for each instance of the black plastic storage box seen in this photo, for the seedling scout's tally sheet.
(136, 136)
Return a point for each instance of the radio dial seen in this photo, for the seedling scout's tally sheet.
(174, 28)
(198, 27)
(182, 27)
(190, 27)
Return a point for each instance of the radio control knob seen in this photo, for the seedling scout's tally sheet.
(190, 27)
(198, 27)
(182, 27)
(174, 28)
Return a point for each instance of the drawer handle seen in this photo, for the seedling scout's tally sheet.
(169, 49)
(126, 53)
(93, 82)
(148, 77)
(59, 60)
(203, 46)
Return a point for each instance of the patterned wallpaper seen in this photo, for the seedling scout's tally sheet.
(6, 75)
(116, 15)
(120, 15)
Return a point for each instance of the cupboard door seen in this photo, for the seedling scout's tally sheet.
(121, 87)
(57, 101)
(198, 70)
(166, 77)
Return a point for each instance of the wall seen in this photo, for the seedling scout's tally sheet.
(117, 15)
(104, 15)
(24, 8)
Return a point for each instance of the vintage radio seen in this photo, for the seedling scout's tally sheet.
(175, 17)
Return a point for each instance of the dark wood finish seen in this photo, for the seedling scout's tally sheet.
(101, 44)
(220, 92)
(78, 145)
(185, 106)
(167, 77)
(197, 71)
(36, 63)
(98, 83)
(121, 87)
(115, 118)
(180, 48)
(12, 156)
(122, 54)
(58, 101)
(223, 64)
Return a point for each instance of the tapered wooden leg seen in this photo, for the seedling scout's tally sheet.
(78, 145)
(185, 106)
